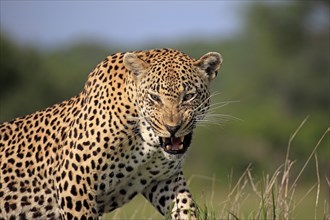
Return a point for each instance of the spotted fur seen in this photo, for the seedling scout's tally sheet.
(126, 133)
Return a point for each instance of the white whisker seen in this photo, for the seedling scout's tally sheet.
(218, 105)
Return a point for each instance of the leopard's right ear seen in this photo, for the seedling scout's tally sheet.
(136, 65)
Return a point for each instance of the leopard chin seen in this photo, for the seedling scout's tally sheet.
(175, 145)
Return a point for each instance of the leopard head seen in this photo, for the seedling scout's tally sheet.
(172, 93)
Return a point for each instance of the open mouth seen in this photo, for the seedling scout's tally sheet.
(175, 145)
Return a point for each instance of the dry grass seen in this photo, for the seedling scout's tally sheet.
(275, 193)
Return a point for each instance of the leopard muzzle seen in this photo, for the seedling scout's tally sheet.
(175, 145)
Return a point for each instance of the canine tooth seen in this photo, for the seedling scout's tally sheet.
(168, 147)
(180, 146)
(181, 139)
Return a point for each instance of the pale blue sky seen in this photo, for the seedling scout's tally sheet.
(126, 23)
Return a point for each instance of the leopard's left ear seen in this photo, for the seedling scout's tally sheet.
(136, 65)
(210, 64)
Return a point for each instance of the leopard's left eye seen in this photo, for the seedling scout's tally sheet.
(155, 98)
(188, 97)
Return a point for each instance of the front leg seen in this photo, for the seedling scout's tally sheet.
(172, 198)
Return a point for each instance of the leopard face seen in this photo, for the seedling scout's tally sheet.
(173, 95)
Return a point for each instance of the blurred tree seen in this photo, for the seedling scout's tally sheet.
(300, 52)
(284, 74)
(23, 88)
(10, 73)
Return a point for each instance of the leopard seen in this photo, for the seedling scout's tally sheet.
(126, 133)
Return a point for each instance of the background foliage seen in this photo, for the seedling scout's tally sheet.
(277, 69)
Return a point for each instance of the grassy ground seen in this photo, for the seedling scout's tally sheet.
(278, 195)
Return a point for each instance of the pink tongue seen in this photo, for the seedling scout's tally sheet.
(175, 143)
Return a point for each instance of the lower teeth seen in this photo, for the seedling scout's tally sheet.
(169, 147)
